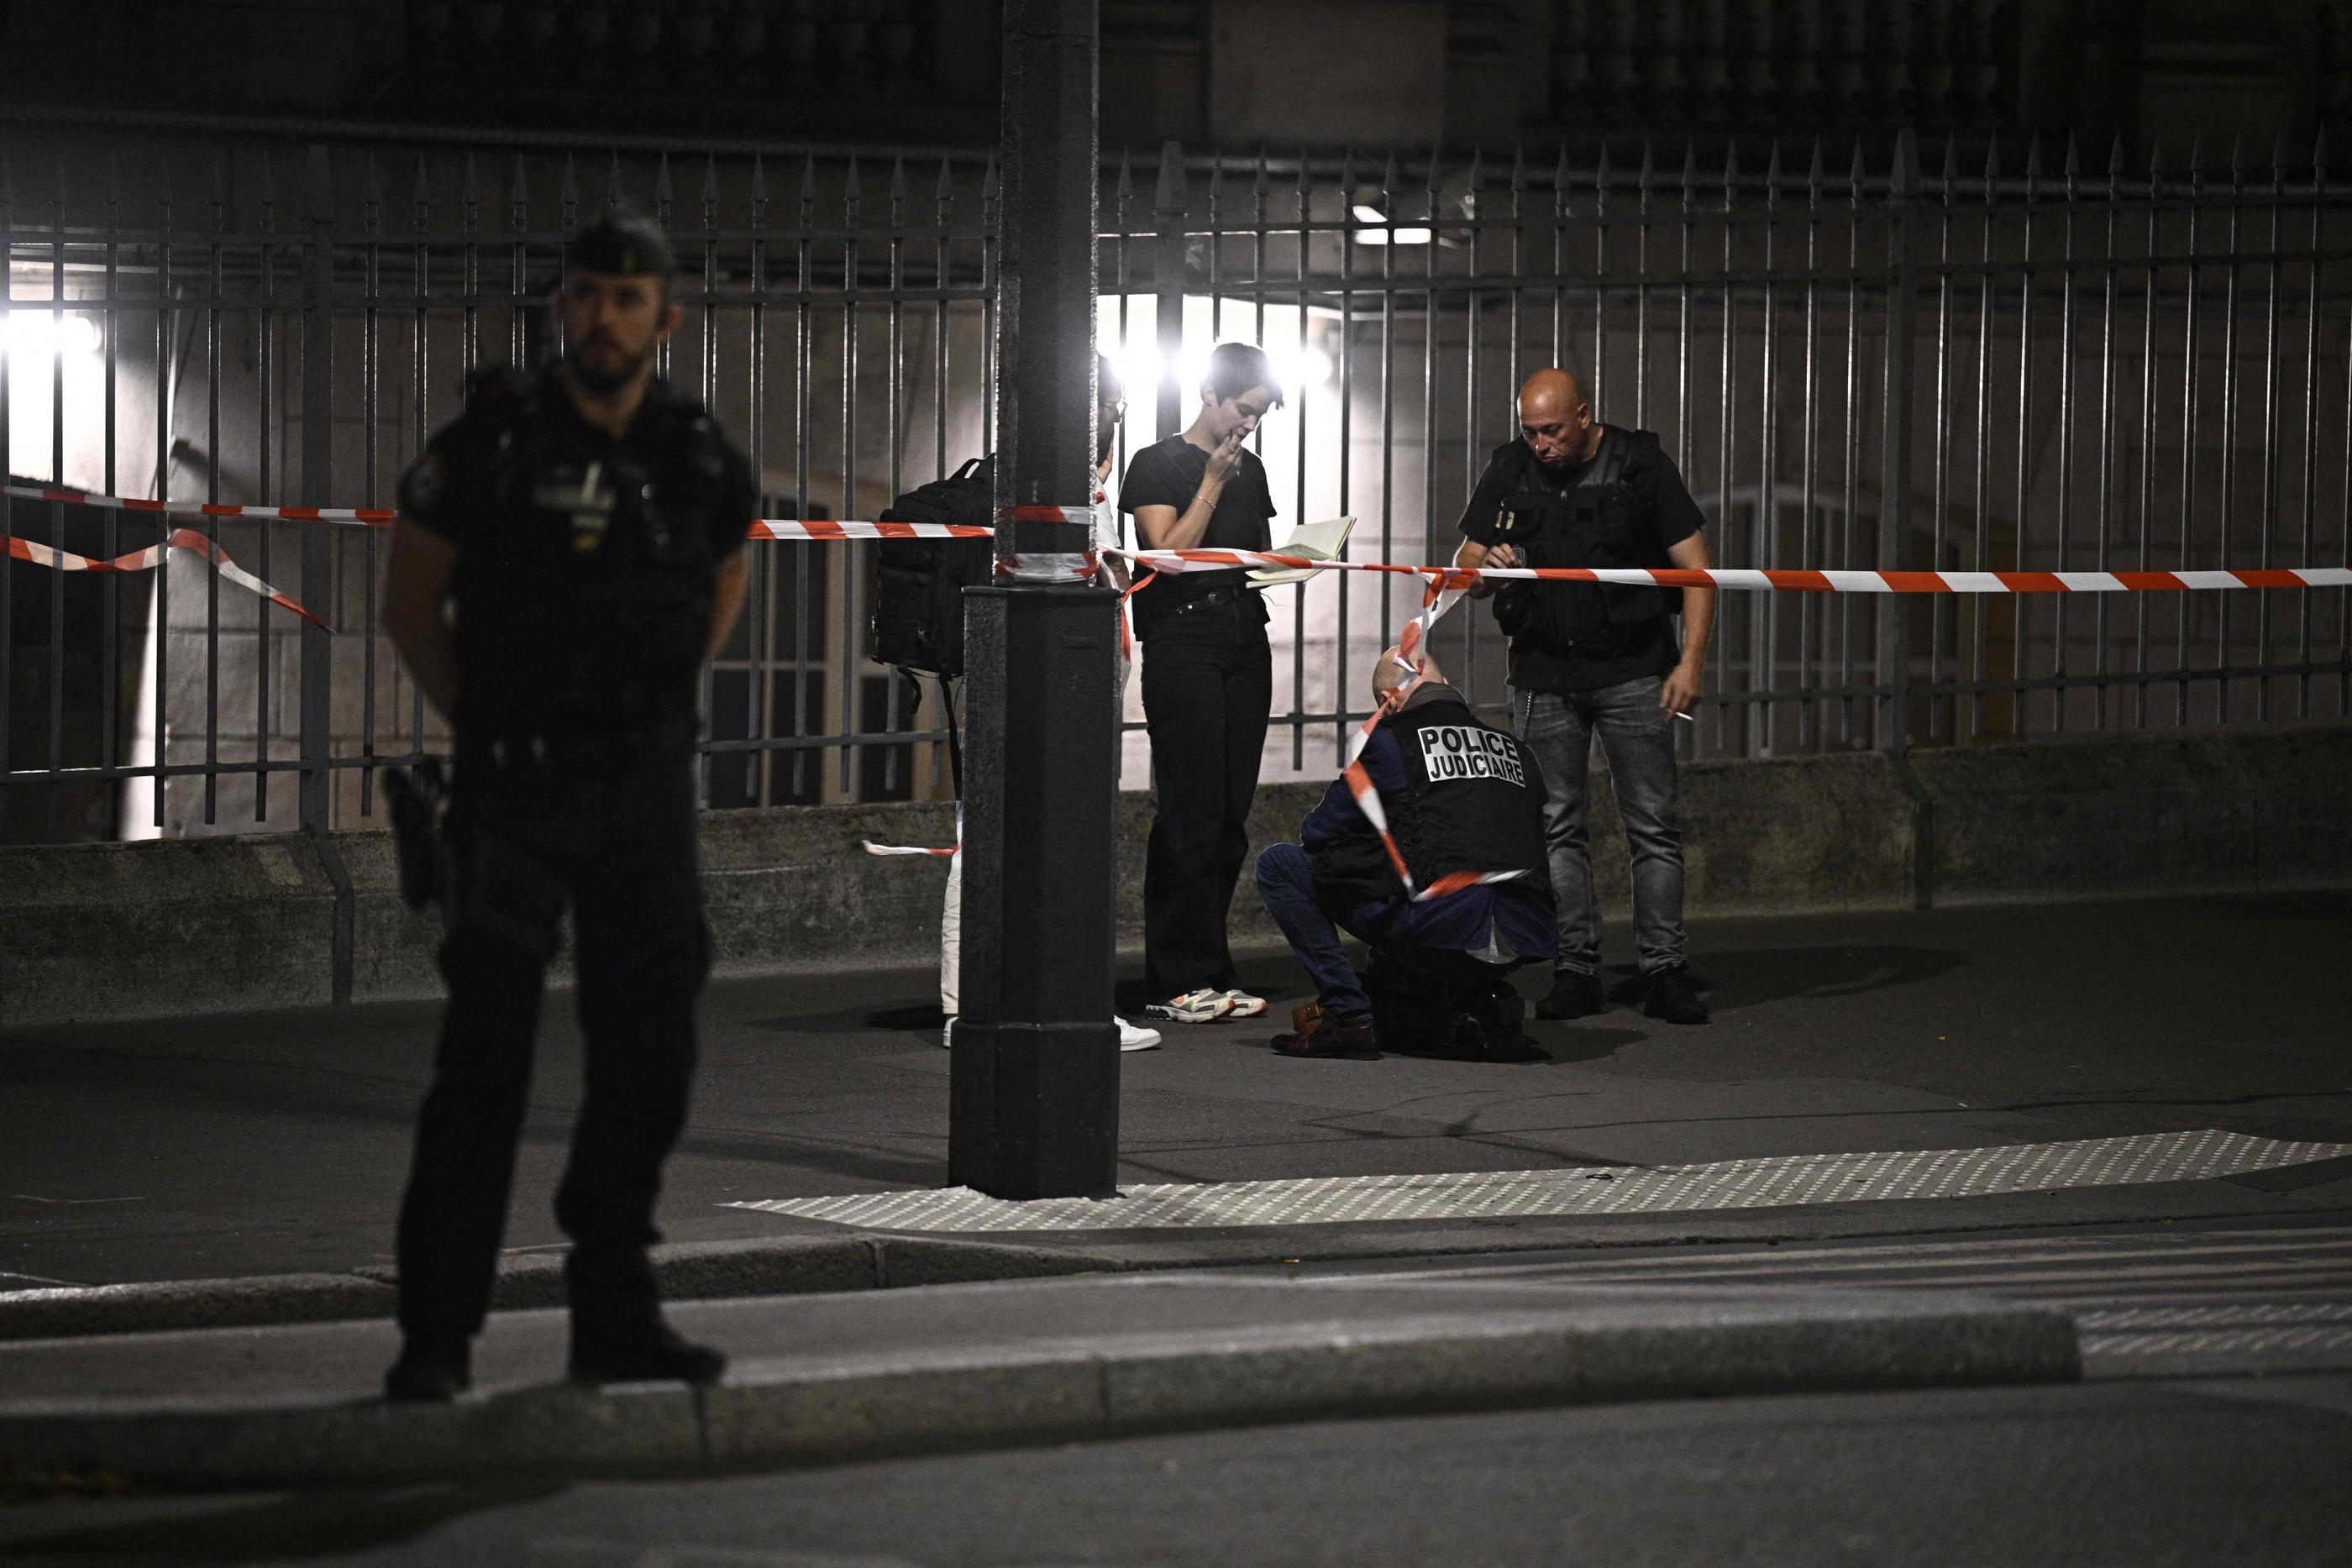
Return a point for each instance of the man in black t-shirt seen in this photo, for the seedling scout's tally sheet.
(1589, 659)
(568, 555)
(1207, 683)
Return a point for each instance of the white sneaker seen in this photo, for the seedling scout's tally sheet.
(1245, 1006)
(1193, 1007)
(1131, 1037)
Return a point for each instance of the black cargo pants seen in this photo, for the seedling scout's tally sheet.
(535, 826)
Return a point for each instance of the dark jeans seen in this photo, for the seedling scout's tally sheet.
(1208, 682)
(1636, 736)
(1285, 881)
(528, 838)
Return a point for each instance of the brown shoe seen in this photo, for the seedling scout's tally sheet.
(1314, 1034)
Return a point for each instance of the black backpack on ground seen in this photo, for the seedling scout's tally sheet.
(917, 618)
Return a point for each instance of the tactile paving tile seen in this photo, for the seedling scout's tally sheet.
(1779, 1181)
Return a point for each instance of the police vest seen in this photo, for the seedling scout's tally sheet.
(585, 600)
(1473, 801)
(1600, 521)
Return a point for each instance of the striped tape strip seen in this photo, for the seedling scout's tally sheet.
(1780, 580)
(787, 530)
(370, 517)
(151, 556)
(794, 530)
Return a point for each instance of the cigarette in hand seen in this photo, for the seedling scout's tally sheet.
(1686, 718)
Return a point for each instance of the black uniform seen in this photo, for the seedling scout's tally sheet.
(583, 589)
(1588, 661)
(1624, 508)
(1208, 686)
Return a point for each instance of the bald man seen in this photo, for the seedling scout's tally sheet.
(1459, 795)
(1590, 660)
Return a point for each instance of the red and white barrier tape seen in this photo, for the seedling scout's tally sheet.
(1780, 580)
(792, 530)
(874, 848)
(151, 556)
(370, 517)
(787, 530)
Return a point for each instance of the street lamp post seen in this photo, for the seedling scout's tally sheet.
(1034, 1078)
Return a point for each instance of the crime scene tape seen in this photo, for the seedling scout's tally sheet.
(151, 556)
(370, 517)
(1779, 580)
(792, 530)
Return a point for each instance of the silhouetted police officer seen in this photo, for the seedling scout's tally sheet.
(568, 555)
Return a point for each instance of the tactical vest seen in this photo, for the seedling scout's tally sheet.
(1600, 521)
(585, 600)
(1473, 795)
(1471, 801)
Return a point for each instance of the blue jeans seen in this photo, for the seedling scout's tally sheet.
(1285, 880)
(1636, 736)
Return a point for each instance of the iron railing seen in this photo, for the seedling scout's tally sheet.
(2056, 363)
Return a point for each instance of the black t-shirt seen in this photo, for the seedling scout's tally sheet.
(1662, 514)
(586, 568)
(1168, 473)
(448, 492)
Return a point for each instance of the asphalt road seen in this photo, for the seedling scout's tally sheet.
(277, 1142)
(2230, 1448)
(2241, 1471)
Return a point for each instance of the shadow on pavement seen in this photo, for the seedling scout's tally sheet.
(917, 1016)
(1570, 1043)
(1753, 977)
(309, 1524)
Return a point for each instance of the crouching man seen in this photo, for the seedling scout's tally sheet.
(1464, 807)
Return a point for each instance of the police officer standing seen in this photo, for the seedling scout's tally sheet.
(1592, 660)
(567, 556)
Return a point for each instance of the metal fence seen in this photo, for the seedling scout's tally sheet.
(2052, 367)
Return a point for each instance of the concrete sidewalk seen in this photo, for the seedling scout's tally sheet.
(822, 1378)
(276, 1143)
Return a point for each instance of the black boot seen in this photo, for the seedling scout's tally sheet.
(1674, 998)
(648, 1350)
(1573, 996)
(1500, 1013)
(433, 1368)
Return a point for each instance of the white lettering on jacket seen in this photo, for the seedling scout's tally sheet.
(1468, 751)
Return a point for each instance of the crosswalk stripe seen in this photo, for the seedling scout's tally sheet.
(1961, 1276)
(2143, 1303)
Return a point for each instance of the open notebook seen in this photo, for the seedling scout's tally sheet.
(1316, 541)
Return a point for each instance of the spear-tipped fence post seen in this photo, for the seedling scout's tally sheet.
(1894, 486)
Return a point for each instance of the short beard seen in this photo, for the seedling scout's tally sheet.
(605, 382)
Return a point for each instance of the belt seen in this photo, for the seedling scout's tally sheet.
(1202, 601)
(571, 748)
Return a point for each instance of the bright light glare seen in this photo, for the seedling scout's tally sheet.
(1138, 364)
(32, 332)
(1404, 236)
(1368, 213)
